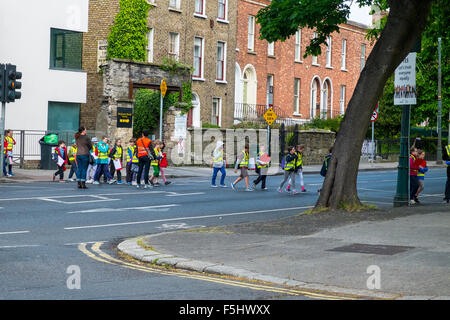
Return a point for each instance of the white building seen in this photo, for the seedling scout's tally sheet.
(45, 40)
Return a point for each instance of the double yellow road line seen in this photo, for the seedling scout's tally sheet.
(96, 253)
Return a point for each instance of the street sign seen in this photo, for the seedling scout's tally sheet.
(405, 81)
(374, 114)
(163, 87)
(124, 117)
(270, 116)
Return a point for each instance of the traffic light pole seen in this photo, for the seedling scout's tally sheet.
(2, 134)
(439, 119)
(402, 194)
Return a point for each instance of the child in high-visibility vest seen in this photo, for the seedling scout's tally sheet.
(299, 150)
(261, 168)
(324, 169)
(72, 160)
(242, 164)
(132, 163)
(422, 164)
(155, 163)
(102, 162)
(61, 160)
(92, 168)
(218, 164)
(116, 154)
(8, 145)
(289, 170)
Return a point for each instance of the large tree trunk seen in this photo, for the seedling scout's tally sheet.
(405, 23)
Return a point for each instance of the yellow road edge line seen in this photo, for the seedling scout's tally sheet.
(198, 276)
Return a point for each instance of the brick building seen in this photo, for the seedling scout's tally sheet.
(199, 33)
(299, 88)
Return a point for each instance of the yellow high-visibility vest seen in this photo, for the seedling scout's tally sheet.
(134, 158)
(244, 161)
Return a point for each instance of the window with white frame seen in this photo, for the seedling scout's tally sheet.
(174, 45)
(175, 4)
(296, 95)
(342, 100)
(269, 89)
(198, 57)
(363, 55)
(344, 55)
(222, 13)
(150, 45)
(221, 61)
(271, 48)
(298, 45)
(215, 112)
(200, 7)
(328, 55)
(251, 33)
(314, 58)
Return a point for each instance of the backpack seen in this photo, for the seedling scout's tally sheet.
(324, 169)
(283, 162)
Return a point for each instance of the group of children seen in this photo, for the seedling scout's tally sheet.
(107, 160)
(292, 165)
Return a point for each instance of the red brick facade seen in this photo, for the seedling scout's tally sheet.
(285, 69)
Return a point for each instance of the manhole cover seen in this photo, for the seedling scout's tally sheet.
(372, 249)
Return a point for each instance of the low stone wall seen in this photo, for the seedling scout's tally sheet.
(199, 144)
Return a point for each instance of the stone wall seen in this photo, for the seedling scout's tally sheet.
(118, 76)
(200, 143)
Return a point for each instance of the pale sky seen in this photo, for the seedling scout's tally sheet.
(360, 15)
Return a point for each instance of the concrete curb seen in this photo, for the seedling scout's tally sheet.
(133, 249)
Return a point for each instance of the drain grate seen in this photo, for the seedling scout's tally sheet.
(372, 249)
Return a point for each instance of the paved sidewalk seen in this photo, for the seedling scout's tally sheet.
(30, 175)
(410, 246)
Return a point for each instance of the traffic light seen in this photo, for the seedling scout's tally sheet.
(2, 82)
(11, 83)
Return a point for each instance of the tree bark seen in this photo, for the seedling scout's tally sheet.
(406, 22)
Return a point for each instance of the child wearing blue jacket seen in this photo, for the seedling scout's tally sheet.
(102, 162)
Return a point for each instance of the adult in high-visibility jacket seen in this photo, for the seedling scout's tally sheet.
(261, 168)
(102, 162)
(155, 163)
(8, 144)
(218, 164)
(145, 154)
(242, 164)
(446, 158)
(116, 154)
(289, 170)
(72, 160)
(132, 162)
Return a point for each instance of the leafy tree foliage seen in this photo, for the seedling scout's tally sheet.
(127, 39)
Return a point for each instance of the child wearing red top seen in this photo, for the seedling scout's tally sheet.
(61, 153)
(422, 165)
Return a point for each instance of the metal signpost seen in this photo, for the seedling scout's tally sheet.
(405, 95)
(163, 88)
(270, 117)
(373, 119)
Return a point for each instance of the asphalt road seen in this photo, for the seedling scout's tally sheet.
(48, 229)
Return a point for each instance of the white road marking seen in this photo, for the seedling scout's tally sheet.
(84, 242)
(126, 209)
(20, 246)
(14, 232)
(175, 194)
(185, 218)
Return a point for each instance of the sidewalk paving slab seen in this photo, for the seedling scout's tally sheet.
(270, 252)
